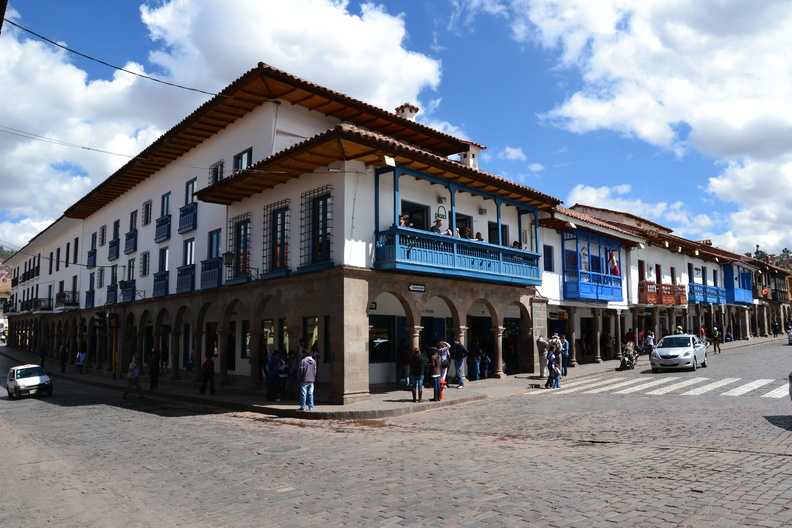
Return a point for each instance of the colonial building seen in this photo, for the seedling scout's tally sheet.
(281, 210)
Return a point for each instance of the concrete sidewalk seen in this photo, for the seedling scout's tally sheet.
(384, 402)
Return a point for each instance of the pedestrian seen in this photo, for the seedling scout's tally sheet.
(541, 350)
(474, 360)
(436, 369)
(133, 378)
(649, 342)
(208, 375)
(307, 377)
(64, 357)
(154, 369)
(417, 367)
(717, 338)
(459, 354)
(273, 365)
(484, 364)
(80, 361)
(42, 354)
(556, 373)
(283, 374)
(551, 359)
(443, 349)
(564, 355)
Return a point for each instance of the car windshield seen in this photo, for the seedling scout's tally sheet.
(674, 342)
(29, 372)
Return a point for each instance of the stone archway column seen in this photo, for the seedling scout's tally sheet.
(415, 336)
(222, 355)
(175, 348)
(498, 359)
(195, 353)
(573, 337)
(461, 333)
(597, 312)
(618, 335)
(255, 359)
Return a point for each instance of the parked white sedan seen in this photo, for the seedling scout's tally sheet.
(679, 351)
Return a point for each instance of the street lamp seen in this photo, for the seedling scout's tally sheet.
(228, 262)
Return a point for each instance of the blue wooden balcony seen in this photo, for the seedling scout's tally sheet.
(130, 242)
(424, 252)
(706, 294)
(211, 273)
(590, 286)
(160, 284)
(112, 249)
(162, 230)
(91, 263)
(112, 293)
(185, 279)
(89, 299)
(739, 296)
(188, 217)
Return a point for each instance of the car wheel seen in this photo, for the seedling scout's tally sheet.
(16, 393)
(705, 362)
(695, 364)
(654, 370)
(10, 395)
(49, 393)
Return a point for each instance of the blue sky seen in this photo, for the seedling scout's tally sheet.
(665, 109)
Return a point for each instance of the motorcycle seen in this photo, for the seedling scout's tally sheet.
(629, 356)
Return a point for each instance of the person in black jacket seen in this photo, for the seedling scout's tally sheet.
(417, 367)
(459, 353)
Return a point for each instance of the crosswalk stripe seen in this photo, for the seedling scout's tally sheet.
(748, 387)
(675, 386)
(646, 385)
(576, 385)
(780, 392)
(710, 387)
(616, 386)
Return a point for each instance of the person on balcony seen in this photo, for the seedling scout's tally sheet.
(479, 236)
(437, 227)
(466, 233)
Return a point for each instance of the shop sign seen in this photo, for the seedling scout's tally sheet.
(556, 315)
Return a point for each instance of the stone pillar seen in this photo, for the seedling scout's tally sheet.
(498, 355)
(196, 355)
(222, 356)
(349, 371)
(539, 313)
(255, 359)
(618, 335)
(597, 312)
(415, 336)
(175, 348)
(572, 337)
(461, 333)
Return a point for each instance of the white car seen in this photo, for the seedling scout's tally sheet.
(28, 379)
(789, 337)
(679, 351)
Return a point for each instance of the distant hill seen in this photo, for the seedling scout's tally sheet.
(5, 254)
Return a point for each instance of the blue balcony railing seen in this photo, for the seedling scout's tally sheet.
(590, 286)
(188, 217)
(91, 262)
(130, 242)
(89, 299)
(162, 230)
(739, 296)
(160, 284)
(211, 273)
(112, 249)
(425, 252)
(112, 293)
(185, 279)
(706, 294)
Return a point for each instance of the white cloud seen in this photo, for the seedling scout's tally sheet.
(709, 76)
(194, 43)
(512, 154)
(536, 167)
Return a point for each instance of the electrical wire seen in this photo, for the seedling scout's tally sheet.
(112, 66)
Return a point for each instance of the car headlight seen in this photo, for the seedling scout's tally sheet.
(654, 354)
(687, 353)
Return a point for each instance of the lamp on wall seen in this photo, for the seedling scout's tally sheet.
(228, 261)
(441, 199)
(483, 212)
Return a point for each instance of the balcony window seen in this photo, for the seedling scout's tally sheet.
(130, 242)
(276, 237)
(163, 229)
(188, 217)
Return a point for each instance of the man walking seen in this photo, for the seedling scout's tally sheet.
(459, 353)
(133, 378)
(717, 338)
(417, 369)
(307, 378)
(564, 355)
(208, 374)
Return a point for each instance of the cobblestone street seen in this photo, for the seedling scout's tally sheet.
(539, 458)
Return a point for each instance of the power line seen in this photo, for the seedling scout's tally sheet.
(112, 66)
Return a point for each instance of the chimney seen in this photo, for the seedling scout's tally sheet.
(407, 111)
(470, 158)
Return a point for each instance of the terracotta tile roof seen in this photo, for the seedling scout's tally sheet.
(348, 142)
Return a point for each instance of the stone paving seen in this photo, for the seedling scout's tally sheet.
(385, 402)
(87, 458)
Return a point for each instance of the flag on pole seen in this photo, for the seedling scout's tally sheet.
(614, 265)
